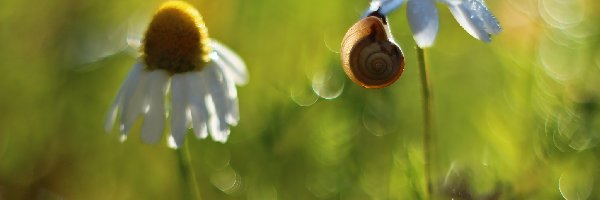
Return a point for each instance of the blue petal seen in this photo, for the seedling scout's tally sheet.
(385, 7)
(475, 18)
(424, 21)
(491, 24)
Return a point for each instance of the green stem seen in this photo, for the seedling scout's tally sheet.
(188, 176)
(427, 118)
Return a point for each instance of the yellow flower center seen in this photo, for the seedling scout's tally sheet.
(177, 39)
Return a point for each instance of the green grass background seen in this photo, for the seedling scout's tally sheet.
(519, 116)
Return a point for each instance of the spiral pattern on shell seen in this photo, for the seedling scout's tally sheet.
(370, 56)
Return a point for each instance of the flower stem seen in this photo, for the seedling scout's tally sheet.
(188, 176)
(427, 118)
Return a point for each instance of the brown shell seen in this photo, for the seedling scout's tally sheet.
(370, 56)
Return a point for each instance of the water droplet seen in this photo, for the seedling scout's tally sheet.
(378, 116)
(332, 38)
(598, 59)
(122, 138)
(322, 184)
(373, 124)
(562, 14)
(5, 138)
(171, 142)
(44, 193)
(558, 61)
(456, 181)
(572, 131)
(575, 185)
(328, 84)
(97, 45)
(218, 157)
(262, 192)
(302, 95)
(226, 180)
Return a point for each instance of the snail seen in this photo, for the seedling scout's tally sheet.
(370, 56)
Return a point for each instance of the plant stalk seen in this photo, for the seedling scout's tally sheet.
(188, 176)
(427, 105)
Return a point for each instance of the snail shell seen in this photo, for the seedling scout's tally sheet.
(370, 56)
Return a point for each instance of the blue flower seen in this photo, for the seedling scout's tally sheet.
(423, 18)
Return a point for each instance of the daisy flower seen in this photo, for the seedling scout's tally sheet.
(472, 15)
(201, 74)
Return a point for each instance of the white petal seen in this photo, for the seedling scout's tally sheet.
(469, 20)
(423, 20)
(127, 84)
(112, 114)
(197, 98)
(179, 92)
(231, 102)
(219, 105)
(217, 125)
(154, 119)
(133, 101)
(235, 66)
(233, 117)
(224, 93)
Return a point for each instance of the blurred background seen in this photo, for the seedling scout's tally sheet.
(517, 118)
